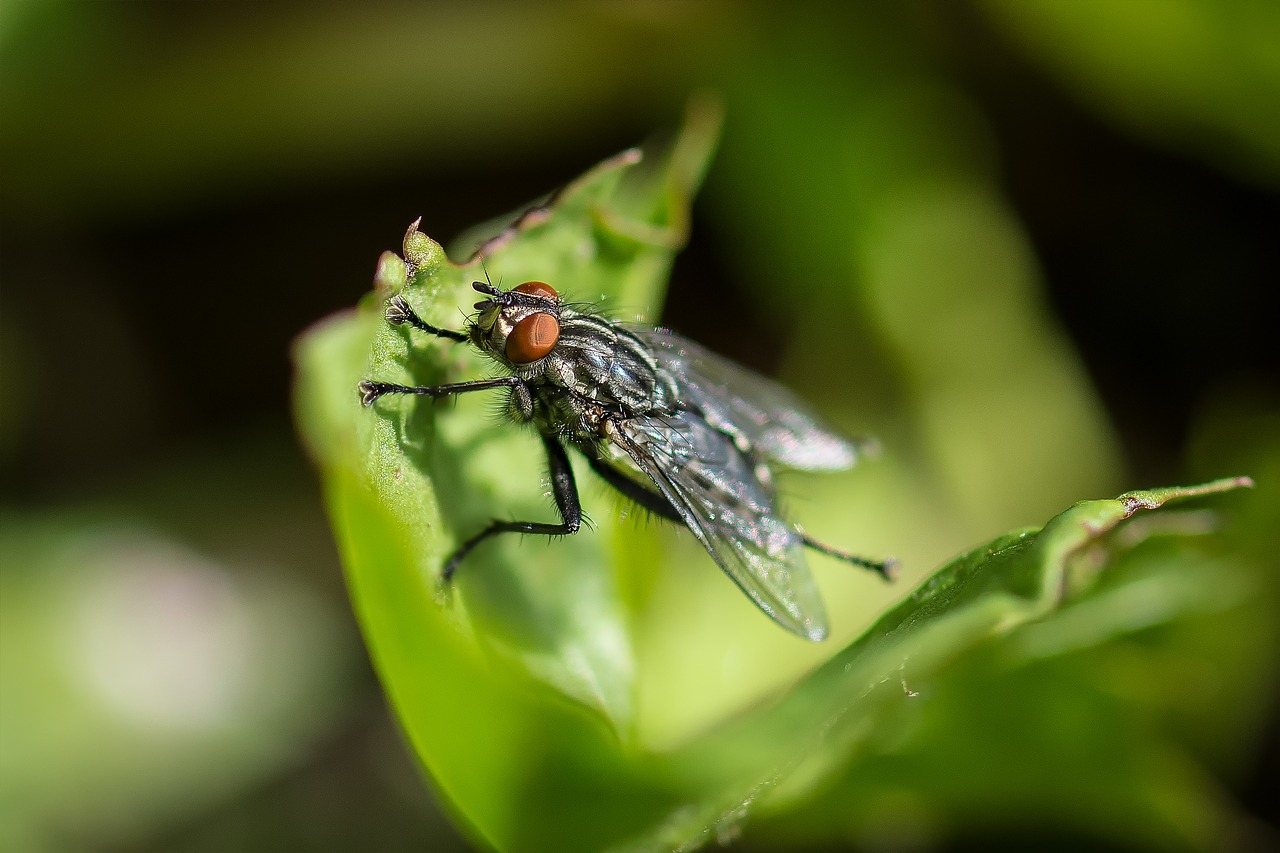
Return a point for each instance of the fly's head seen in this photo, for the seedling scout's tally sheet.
(517, 327)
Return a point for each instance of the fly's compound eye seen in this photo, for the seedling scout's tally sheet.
(533, 337)
(537, 288)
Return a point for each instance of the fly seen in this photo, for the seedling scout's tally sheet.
(683, 432)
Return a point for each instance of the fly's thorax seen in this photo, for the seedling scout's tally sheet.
(602, 361)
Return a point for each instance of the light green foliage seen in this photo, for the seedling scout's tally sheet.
(534, 689)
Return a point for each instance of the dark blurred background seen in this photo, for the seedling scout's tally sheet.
(185, 187)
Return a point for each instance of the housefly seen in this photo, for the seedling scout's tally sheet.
(683, 432)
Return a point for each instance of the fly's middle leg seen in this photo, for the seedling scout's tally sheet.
(565, 491)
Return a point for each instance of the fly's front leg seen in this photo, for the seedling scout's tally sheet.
(370, 391)
(399, 313)
(563, 488)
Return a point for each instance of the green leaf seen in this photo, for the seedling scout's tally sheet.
(518, 686)
(401, 484)
(825, 726)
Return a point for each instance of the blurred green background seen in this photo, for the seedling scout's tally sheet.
(1028, 246)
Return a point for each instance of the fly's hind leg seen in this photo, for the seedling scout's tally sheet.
(563, 488)
(650, 500)
(884, 568)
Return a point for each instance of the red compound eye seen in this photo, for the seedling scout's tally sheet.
(538, 288)
(533, 337)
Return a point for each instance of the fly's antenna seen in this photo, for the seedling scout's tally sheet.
(488, 280)
(486, 287)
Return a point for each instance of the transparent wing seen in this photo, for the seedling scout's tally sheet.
(714, 488)
(738, 401)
